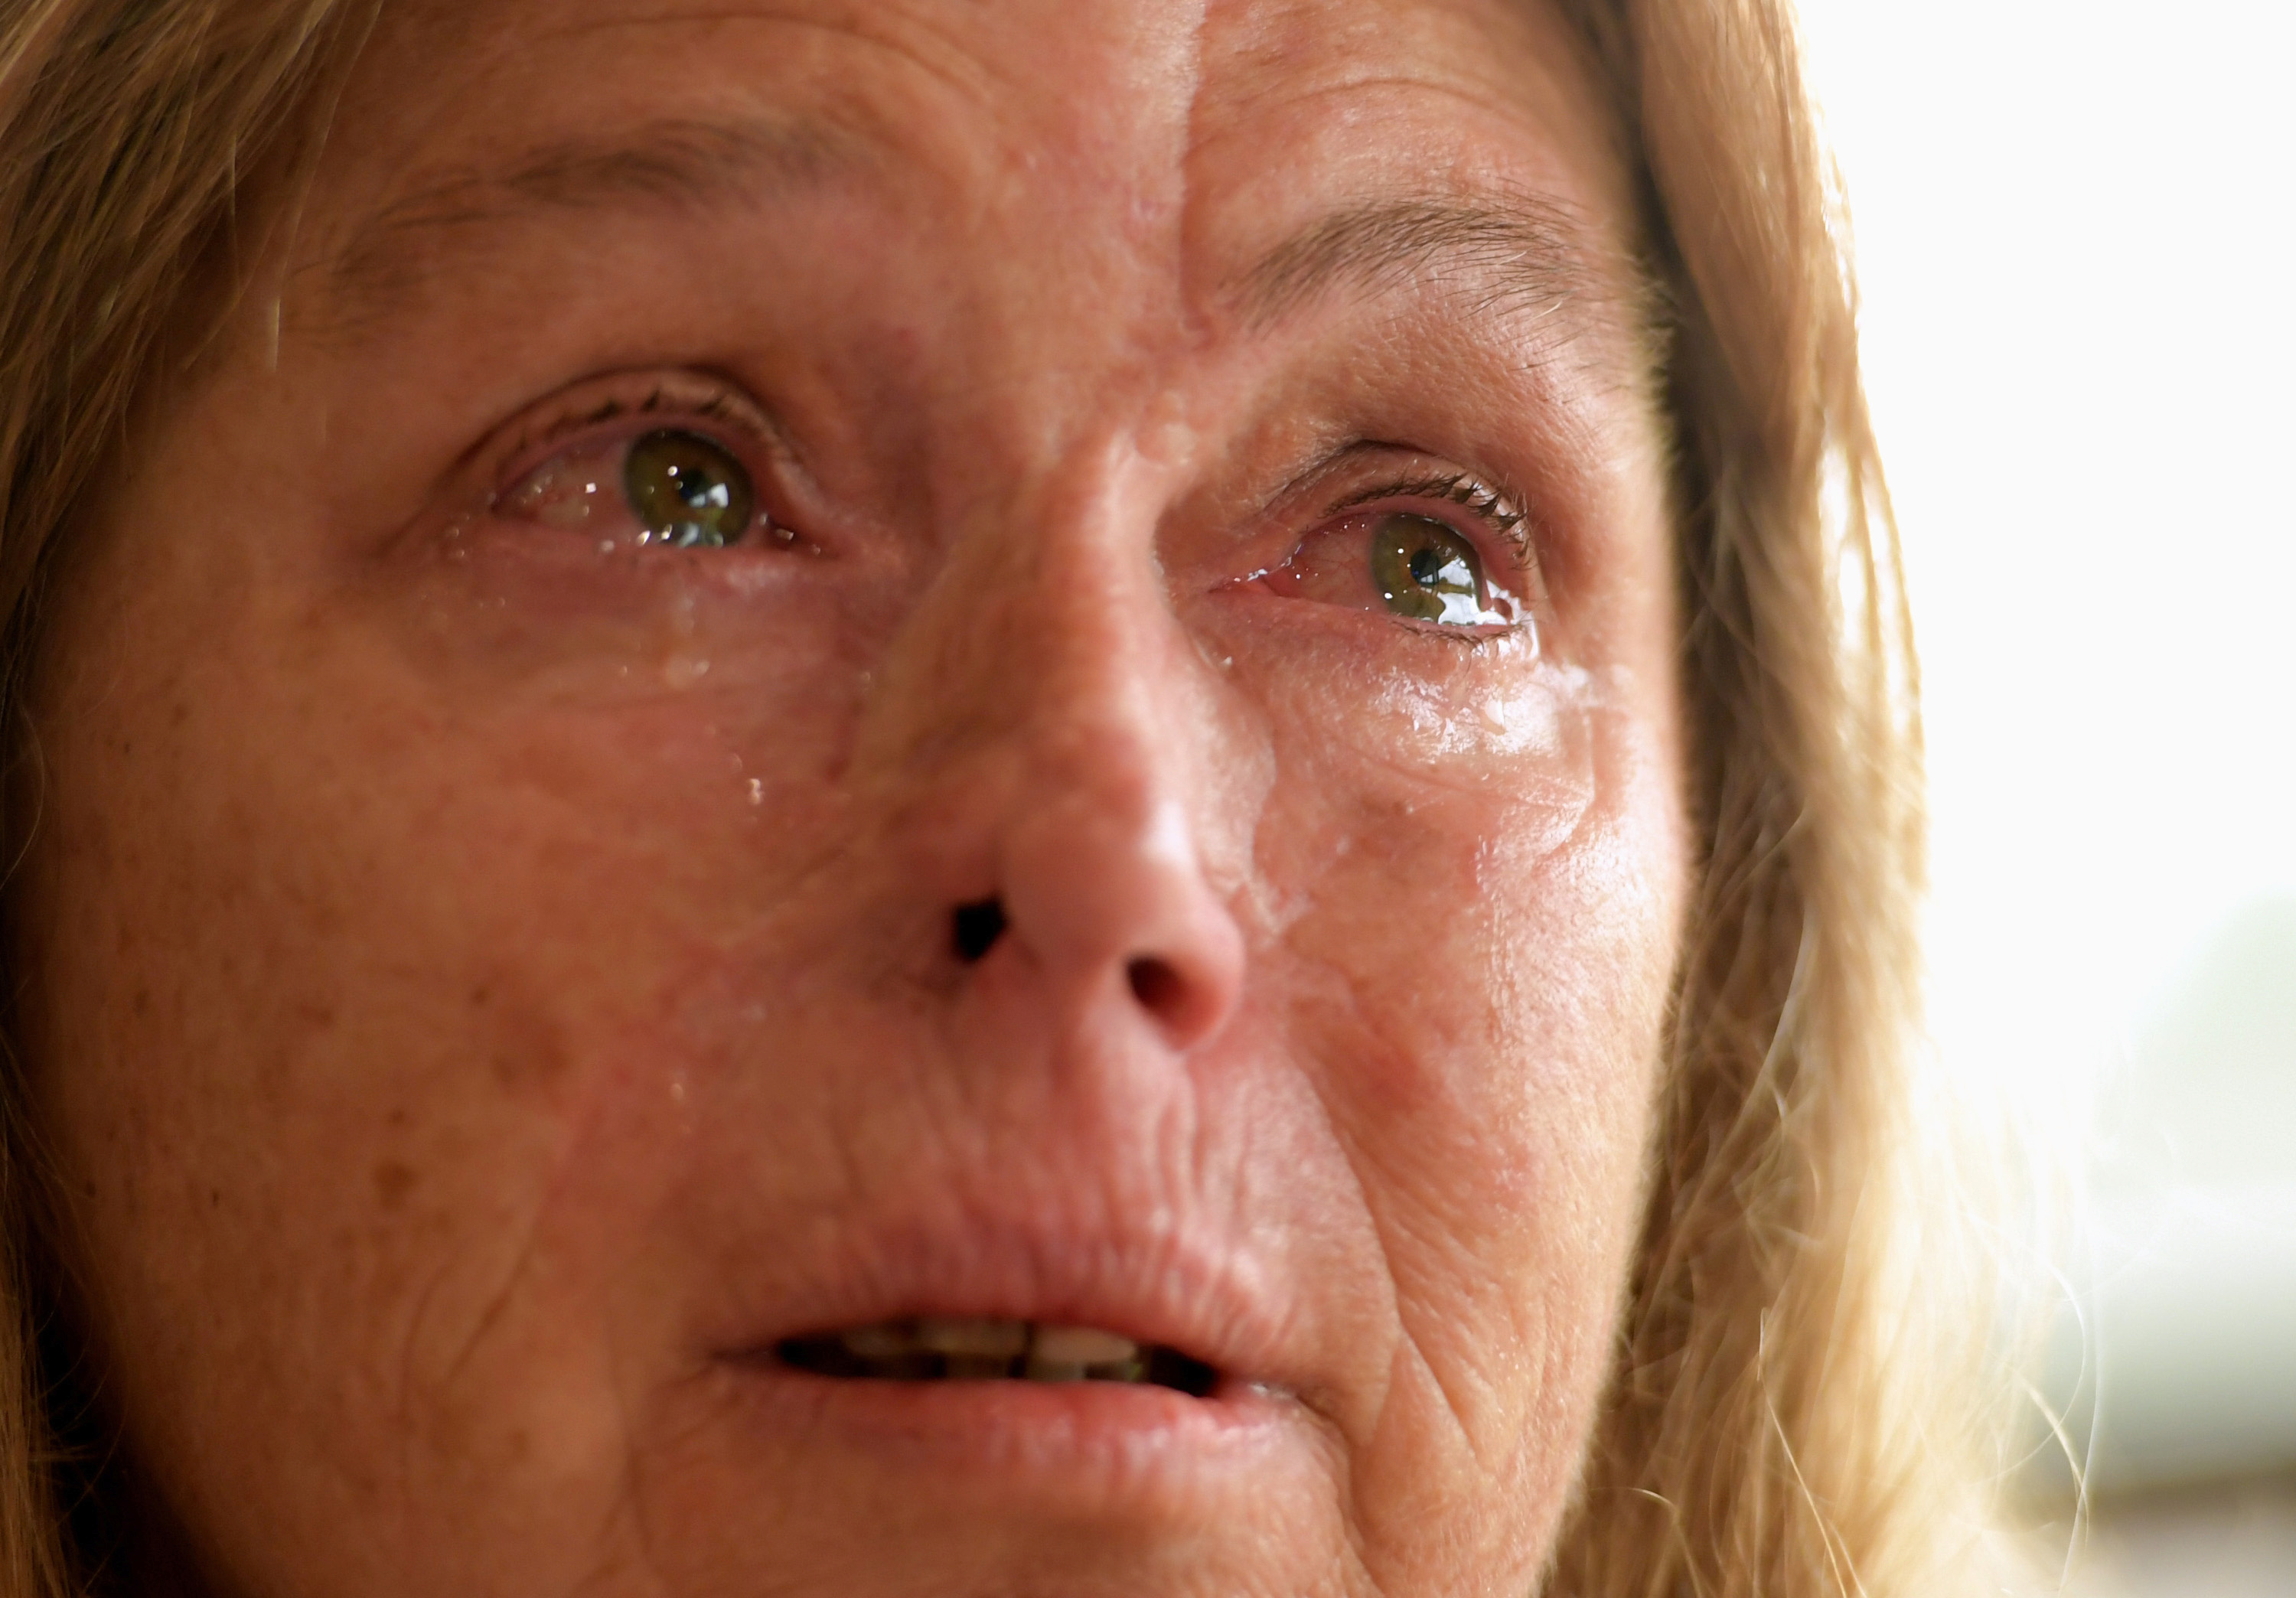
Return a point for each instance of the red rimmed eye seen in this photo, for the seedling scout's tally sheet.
(1406, 564)
(668, 486)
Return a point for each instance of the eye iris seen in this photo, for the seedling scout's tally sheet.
(1426, 571)
(687, 491)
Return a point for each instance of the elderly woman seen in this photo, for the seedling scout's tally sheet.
(946, 798)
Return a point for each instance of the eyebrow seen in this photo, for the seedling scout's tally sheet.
(671, 165)
(1519, 254)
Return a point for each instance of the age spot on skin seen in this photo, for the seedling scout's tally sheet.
(393, 1180)
(522, 1048)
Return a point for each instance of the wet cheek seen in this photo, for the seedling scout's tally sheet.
(1430, 790)
(676, 729)
(1477, 930)
(547, 622)
(416, 905)
(1426, 1010)
(606, 780)
(1444, 975)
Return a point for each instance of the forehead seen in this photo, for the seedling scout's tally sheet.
(1241, 153)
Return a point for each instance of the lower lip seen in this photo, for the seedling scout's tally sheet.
(1068, 1432)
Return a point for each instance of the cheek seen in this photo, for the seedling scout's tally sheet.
(1479, 946)
(1483, 977)
(352, 1010)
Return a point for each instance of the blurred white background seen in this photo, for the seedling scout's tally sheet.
(2074, 232)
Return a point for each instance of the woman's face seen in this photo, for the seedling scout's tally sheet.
(828, 712)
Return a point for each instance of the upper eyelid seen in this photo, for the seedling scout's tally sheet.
(1489, 504)
(531, 447)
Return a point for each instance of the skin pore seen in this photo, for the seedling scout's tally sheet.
(494, 974)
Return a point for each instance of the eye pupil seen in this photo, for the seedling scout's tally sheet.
(1426, 571)
(688, 491)
(698, 492)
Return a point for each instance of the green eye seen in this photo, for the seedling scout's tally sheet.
(687, 492)
(1426, 571)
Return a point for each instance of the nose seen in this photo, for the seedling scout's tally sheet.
(1105, 892)
(1058, 743)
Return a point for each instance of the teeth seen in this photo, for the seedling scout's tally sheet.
(889, 1339)
(986, 1340)
(980, 1348)
(1082, 1345)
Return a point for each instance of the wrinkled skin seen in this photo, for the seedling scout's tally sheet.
(485, 988)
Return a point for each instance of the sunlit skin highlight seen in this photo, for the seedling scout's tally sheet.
(491, 975)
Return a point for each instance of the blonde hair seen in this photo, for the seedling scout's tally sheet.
(1775, 1424)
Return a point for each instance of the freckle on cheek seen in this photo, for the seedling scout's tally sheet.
(393, 1181)
(525, 1053)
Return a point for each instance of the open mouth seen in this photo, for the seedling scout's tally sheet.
(948, 1348)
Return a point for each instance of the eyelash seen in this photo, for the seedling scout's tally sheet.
(532, 447)
(1498, 512)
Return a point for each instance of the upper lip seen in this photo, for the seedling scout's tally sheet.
(1144, 1276)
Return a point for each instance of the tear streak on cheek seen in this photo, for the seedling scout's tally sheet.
(557, 624)
(1433, 778)
(1455, 731)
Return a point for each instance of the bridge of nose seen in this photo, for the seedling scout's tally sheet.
(1048, 733)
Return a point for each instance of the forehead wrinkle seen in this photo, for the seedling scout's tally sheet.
(676, 165)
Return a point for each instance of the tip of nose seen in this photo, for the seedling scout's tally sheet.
(1108, 905)
(1186, 1000)
(1189, 998)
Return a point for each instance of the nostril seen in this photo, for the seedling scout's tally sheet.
(977, 926)
(1157, 986)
